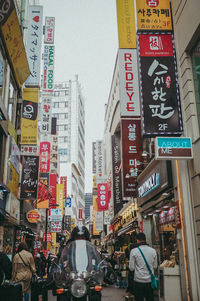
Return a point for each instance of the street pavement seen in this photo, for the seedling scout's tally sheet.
(109, 293)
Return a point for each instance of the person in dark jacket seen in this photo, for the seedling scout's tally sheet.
(5, 267)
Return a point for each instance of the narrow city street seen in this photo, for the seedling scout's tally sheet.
(110, 293)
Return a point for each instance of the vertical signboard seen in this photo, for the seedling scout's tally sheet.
(12, 36)
(34, 44)
(46, 114)
(48, 72)
(102, 199)
(94, 157)
(29, 181)
(29, 116)
(63, 180)
(59, 196)
(52, 188)
(126, 24)
(131, 154)
(128, 82)
(44, 156)
(161, 108)
(49, 30)
(153, 15)
(117, 180)
(99, 161)
(98, 220)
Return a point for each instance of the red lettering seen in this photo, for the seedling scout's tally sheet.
(127, 68)
(129, 76)
(130, 95)
(129, 86)
(128, 57)
(130, 107)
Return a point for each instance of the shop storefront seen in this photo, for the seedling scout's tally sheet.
(161, 223)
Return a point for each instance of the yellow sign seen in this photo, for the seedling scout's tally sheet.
(59, 196)
(15, 47)
(29, 116)
(153, 15)
(126, 24)
(33, 216)
(11, 130)
(13, 181)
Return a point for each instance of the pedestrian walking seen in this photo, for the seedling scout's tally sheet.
(5, 268)
(130, 274)
(23, 269)
(142, 277)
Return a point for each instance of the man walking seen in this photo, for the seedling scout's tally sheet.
(142, 277)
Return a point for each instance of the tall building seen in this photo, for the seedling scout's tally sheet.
(69, 110)
(88, 203)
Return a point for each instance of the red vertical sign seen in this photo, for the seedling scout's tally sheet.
(52, 188)
(80, 214)
(131, 154)
(63, 180)
(44, 156)
(102, 200)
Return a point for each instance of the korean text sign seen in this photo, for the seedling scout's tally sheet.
(161, 108)
(30, 167)
(49, 30)
(29, 116)
(46, 113)
(131, 154)
(44, 156)
(153, 15)
(128, 81)
(34, 44)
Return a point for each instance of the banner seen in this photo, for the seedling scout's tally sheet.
(98, 220)
(13, 180)
(99, 161)
(34, 43)
(55, 215)
(46, 114)
(48, 73)
(52, 188)
(102, 199)
(59, 196)
(128, 83)
(126, 23)
(12, 36)
(131, 154)
(44, 156)
(116, 171)
(49, 30)
(161, 107)
(29, 116)
(63, 180)
(56, 227)
(153, 15)
(29, 181)
(43, 197)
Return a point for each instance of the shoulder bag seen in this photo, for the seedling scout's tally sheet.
(154, 278)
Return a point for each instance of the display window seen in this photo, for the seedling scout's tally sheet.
(195, 55)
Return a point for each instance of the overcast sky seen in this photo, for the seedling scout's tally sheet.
(86, 44)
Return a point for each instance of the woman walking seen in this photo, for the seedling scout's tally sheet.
(23, 269)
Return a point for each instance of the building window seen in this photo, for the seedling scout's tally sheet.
(196, 73)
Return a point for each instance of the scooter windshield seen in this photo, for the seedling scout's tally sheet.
(80, 255)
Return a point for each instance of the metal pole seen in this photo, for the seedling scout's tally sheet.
(183, 229)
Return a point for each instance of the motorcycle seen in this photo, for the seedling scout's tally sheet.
(79, 274)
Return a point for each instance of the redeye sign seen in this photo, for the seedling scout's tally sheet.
(173, 148)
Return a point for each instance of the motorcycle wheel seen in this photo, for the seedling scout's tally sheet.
(95, 298)
(62, 298)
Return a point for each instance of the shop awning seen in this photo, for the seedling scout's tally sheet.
(127, 228)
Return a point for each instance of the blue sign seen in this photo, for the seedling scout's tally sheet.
(68, 202)
(173, 148)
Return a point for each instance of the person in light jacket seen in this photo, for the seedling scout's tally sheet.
(142, 277)
(23, 268)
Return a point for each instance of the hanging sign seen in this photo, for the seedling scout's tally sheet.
(33, 216)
